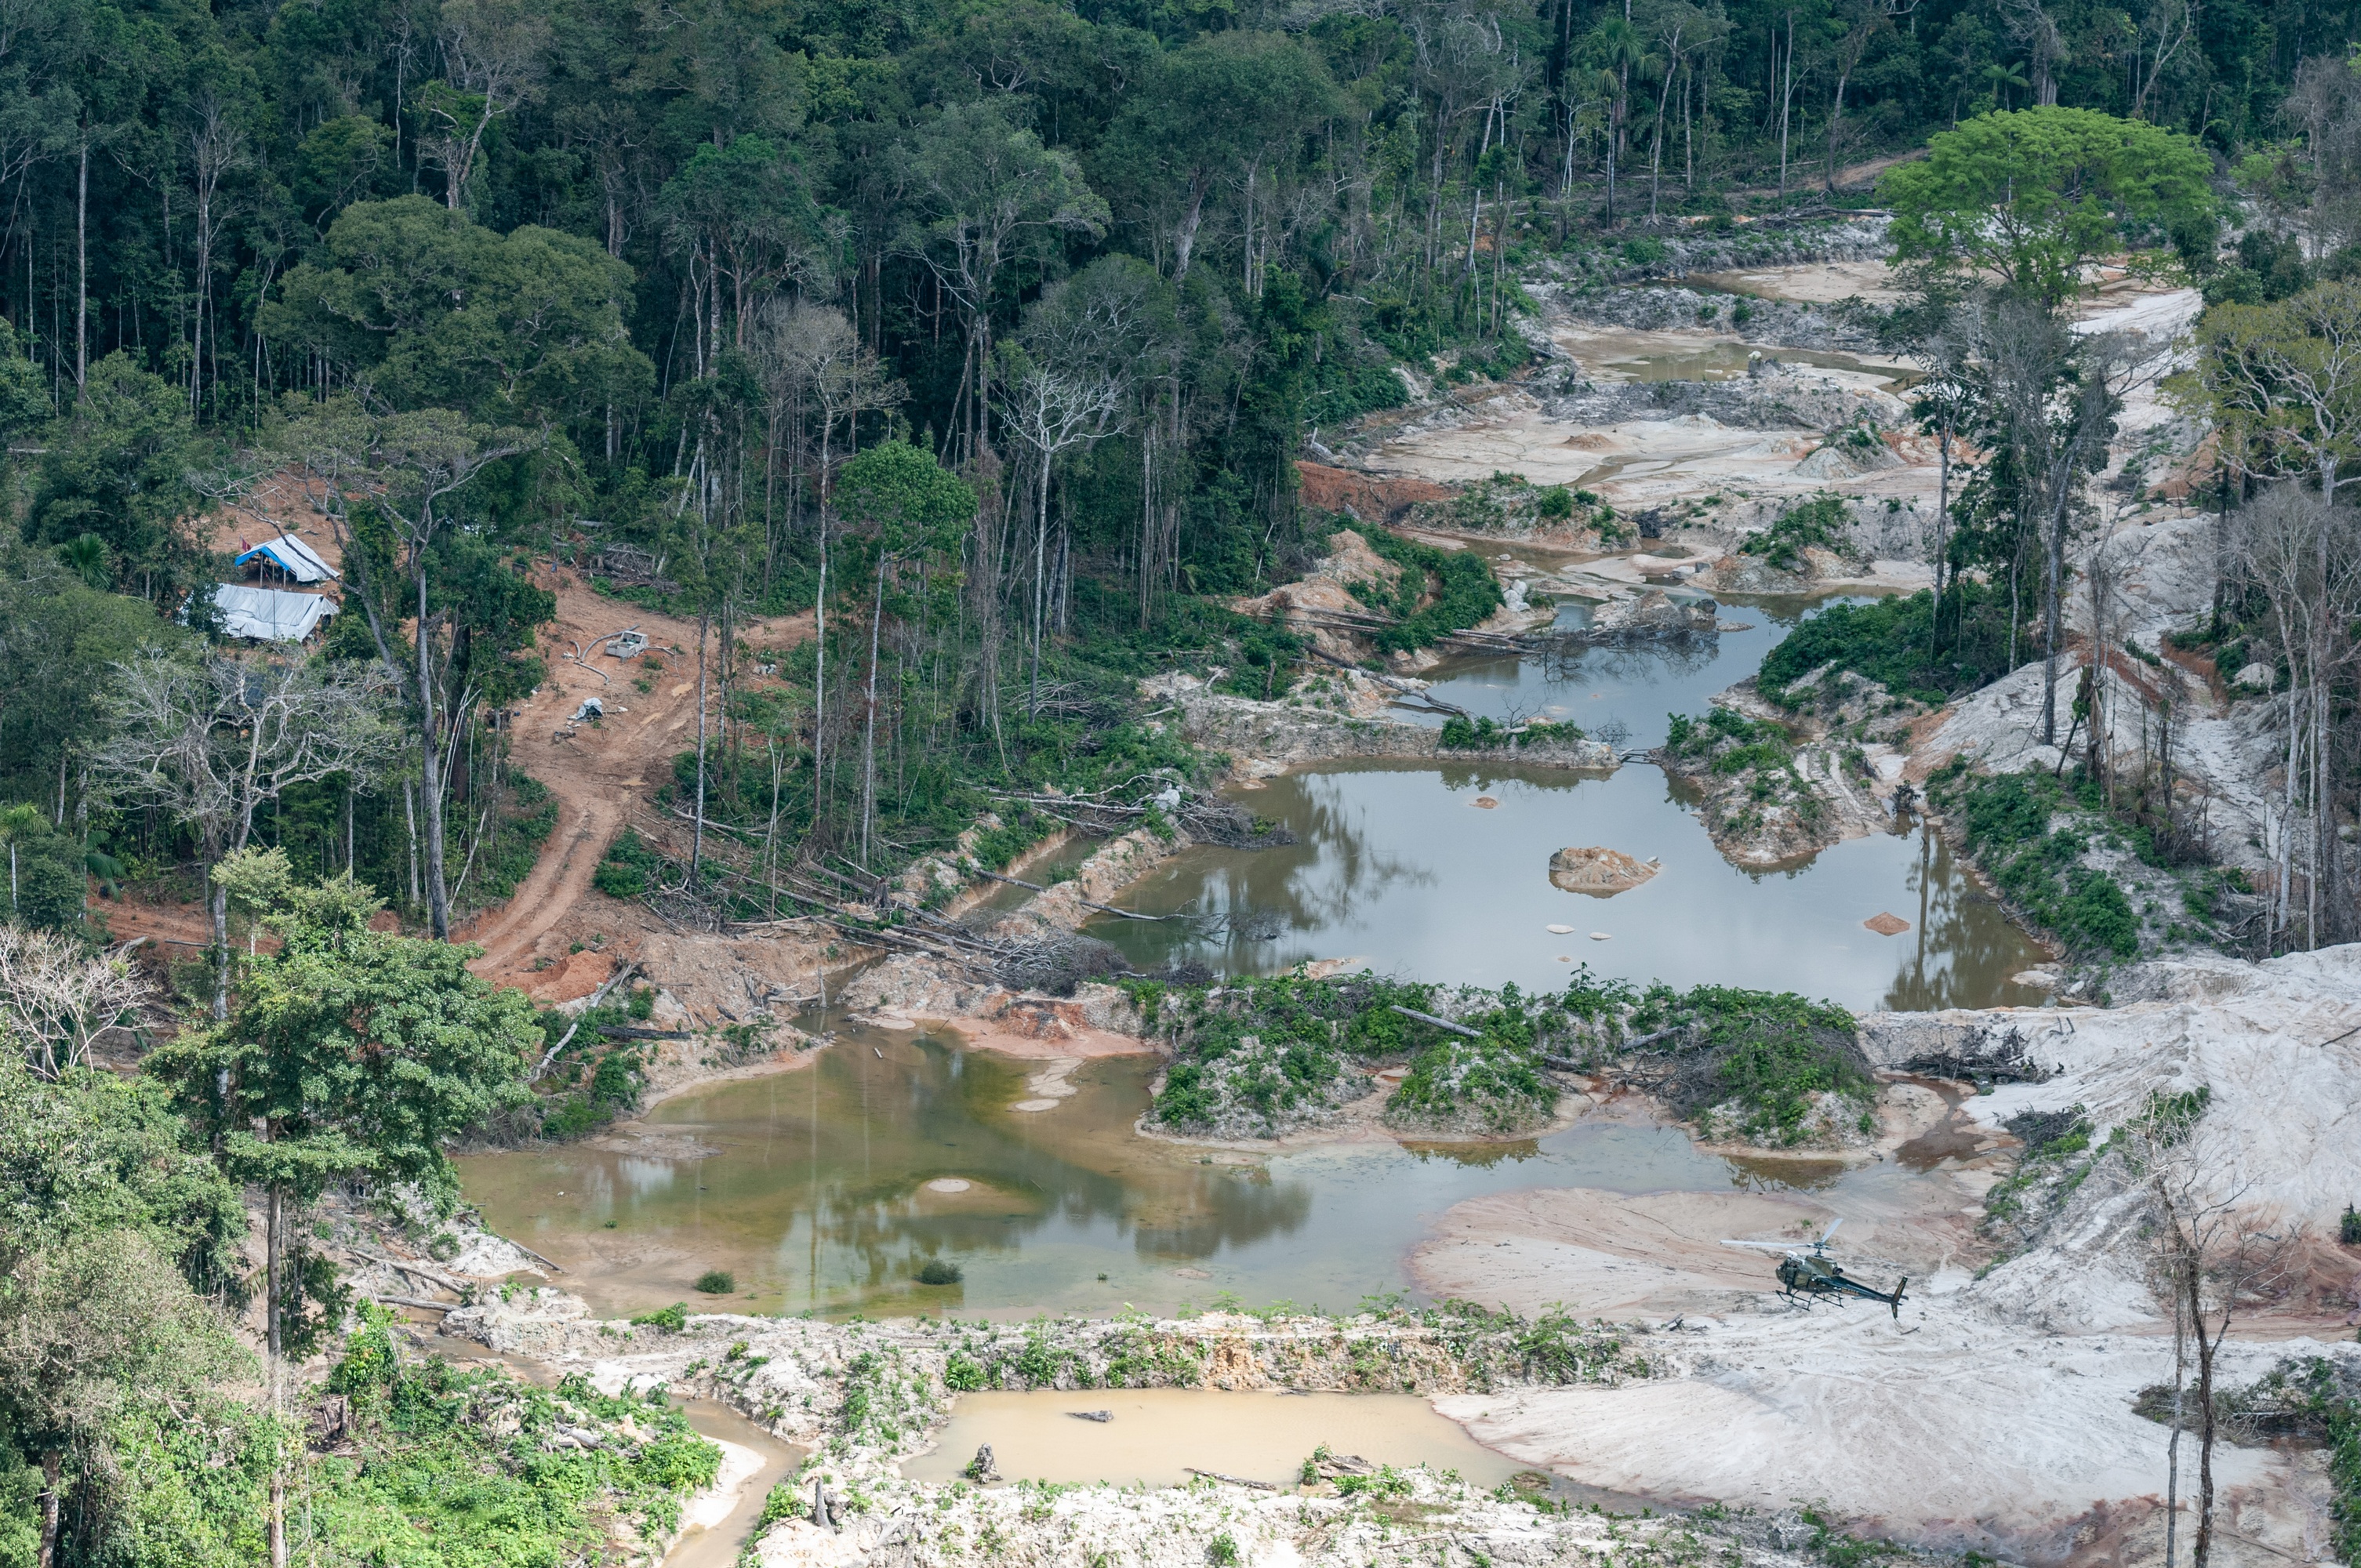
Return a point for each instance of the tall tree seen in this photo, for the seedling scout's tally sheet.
(2036, 195)
(992, 195)
(390, 487)
(348, 1052)
(910, 506)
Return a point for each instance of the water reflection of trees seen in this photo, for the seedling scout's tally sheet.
(856, 1220)
(1475, 1157)
(1964, 949)
(1335, 868)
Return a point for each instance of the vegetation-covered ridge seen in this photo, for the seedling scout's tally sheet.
(1259, 1058)
(1756, 800)
(2107, 888)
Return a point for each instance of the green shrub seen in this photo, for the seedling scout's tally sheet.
(1462, 734)
(1821, 521)
(623, 871)
(1900, 643)
(674, 1317)
(962, 1373)
(2008, 827)
(1769, 1054)
(717, 1282)
(938, 1271)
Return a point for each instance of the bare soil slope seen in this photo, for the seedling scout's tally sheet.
(599, 775)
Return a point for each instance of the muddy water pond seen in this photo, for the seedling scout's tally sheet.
(1402, 869)
(1624, 694)
(1728, 360)
(1156, 1437)
(1398, 866)
(828, 1189)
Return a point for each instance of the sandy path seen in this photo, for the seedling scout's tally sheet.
(1608, 1253)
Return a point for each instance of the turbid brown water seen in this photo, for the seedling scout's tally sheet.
(815, 1191)
(829, 1189)
(1157, 1436)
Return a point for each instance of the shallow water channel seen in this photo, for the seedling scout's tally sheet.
(828, 1186)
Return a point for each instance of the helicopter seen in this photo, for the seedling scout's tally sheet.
(1805, 1272)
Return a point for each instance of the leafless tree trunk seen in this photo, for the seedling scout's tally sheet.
(2214, 1253)
(212, 743)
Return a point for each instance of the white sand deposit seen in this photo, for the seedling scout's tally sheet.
(1994, 1413)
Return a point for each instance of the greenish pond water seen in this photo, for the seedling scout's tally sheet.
(828, 1188)
(812, 1187)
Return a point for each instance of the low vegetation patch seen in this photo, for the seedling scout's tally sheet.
(1754, 793)
(2097, 884)
(1901, 643)
(1823, 522)
(1438, 593)
(1464, 734)
(1260, 1058)
(1512, 505)
(627, 867)
(523, 824)
(1385, 1348)
(2057, 1158)
(416, 1462)
(1760, 1067)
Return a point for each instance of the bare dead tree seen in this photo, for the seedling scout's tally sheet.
(57, 998)
(2324, 105)
(811, 359)
(2214, 1253)
(2034, 32)
(2169, 26)
(1051, 411)
(2305, 556)
(495, 51)
(212, 742)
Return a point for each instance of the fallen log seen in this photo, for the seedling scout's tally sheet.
(1438, 1022)
(596, 996)
(1230, 1480)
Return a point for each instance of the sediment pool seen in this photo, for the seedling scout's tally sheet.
(828, 1189)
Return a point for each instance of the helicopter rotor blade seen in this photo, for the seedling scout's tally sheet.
(1829, 1232)
(1767, 1246)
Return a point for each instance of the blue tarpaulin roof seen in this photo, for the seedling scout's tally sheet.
(294, 557)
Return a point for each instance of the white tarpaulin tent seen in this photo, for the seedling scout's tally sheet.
(269, 615)
(292, 556)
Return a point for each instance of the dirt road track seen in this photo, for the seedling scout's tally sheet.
(598, 775)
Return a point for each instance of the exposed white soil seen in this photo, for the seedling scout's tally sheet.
(2228, 739)
(1995, 1413)
(1946, 1429)
(1821, 282)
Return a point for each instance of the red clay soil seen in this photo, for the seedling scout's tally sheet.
(600, 776)
(1371, 497)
